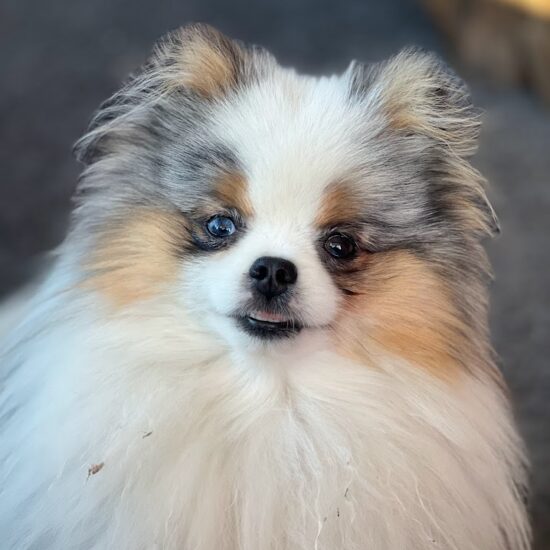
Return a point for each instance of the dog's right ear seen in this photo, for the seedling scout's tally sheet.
(197, 60)
(418, 97)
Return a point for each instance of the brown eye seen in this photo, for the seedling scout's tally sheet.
(341, 247)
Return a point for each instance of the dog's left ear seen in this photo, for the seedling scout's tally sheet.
(197, 61)
(201, 59)
(416, 94)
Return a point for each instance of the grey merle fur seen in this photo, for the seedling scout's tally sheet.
(150, 145)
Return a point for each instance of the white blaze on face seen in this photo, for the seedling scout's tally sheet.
(226, 283)
(293, 137)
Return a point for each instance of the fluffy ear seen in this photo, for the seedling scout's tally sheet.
(416, 94)
(197, 60)
(200, 59)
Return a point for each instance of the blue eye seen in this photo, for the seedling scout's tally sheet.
(221, 226)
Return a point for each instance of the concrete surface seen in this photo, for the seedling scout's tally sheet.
(59, 59)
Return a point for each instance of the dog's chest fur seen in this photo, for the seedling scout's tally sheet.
(155, 448)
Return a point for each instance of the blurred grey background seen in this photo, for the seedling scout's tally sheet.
(59, 59)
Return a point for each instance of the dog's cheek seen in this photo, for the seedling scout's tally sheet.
(223, 283)
(137, 257)
(319, 297)
(212, 282)
(401, 306)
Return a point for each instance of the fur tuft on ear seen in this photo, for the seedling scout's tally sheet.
(196, 60)
(201, 59)
(416, 94)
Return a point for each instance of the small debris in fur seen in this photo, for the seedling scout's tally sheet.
(95, 468)
(146, 434)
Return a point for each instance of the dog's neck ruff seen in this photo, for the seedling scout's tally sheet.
(164, 438)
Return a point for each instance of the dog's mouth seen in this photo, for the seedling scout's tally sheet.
(266, 325)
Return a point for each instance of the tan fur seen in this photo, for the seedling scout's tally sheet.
(164, 425)
(232, 191)
(206, 61)
(135, 259)
(339, 205)
(466, 201)
(402, 306)
(420, 98)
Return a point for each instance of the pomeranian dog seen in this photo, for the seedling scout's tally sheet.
(267, 327)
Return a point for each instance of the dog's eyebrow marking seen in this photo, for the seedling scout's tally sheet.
(340, 203)
(231, 189)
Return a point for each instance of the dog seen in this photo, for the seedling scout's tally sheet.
(267, 327)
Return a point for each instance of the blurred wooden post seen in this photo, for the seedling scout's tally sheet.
(506, 40)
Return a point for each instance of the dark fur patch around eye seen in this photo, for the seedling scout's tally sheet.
(206, 242)
(401, 305)
(347, 275)
(227, 196)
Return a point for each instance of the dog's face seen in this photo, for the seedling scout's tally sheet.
(271, 204)
(284, 231)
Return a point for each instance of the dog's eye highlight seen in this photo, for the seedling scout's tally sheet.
(341, 247)
(221, 226)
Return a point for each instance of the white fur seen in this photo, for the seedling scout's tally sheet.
(207, 448)
(203, 441)
(290, 154)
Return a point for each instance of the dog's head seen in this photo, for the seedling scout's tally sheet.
(270, 204)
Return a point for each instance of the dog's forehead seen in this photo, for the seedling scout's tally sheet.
(294, 136)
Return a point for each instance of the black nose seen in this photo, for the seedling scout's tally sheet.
(273, 276)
